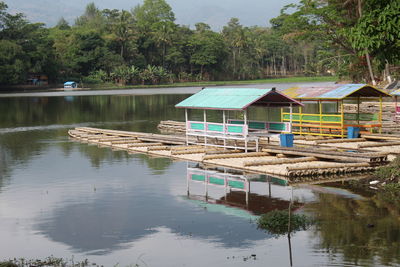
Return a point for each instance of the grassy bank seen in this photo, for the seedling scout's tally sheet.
(216, 83)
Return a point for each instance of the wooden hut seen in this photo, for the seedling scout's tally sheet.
(70, 84)
(331, 119)
(396, 94)
(235, 99)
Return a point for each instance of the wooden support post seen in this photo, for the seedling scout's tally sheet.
(320, 116)
(358, 110)
(291, 117)
(342, 117)
(380, 114)
(245, 124)
(301, 118)
(224, 126)
(186, 120)
(205, 127)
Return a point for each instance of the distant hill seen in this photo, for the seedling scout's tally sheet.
(188, 12)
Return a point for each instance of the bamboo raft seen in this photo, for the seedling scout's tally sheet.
(297, 164)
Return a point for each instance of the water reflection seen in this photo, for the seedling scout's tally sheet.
(235, 189)
(75, 199)
(113, 219)
(360, 230)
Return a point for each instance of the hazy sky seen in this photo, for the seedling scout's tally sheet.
(214, 12)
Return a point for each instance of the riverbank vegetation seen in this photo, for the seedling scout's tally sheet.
(145, 46)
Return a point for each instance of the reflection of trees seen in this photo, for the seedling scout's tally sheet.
(18, 147)
(58, 110)
(158, 165)
(360, 229)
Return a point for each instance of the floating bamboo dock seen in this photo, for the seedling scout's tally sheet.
(297, 164)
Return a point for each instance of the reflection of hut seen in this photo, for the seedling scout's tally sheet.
(236, 192)
(233, 129)
(330, 119)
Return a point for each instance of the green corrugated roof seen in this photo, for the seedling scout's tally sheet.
(223, 98)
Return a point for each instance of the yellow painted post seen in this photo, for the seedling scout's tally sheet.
(301, 119)
(320, 116)
(342, 117)
(380, 114)
(358, 111)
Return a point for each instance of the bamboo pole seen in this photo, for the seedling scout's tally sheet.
(118, 142)
(144, 145)
(379, 145)
(277, 161)
(328, 141)
(236, 155)
(327, 166)
(192, 151)
(381, 136)
(349, 158)
(155, 148)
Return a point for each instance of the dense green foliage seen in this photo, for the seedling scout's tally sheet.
(390, 172)
(146, 46)
(350, 30)
(277, 222)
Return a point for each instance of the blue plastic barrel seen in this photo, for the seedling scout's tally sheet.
(286, 140)
(353, 132)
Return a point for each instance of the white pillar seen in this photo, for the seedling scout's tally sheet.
(245, 125)
(187, 126)
(205, 127)
(223, 125)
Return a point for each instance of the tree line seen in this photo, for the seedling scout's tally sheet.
(354, 39)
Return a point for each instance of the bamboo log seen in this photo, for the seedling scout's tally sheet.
(119, 142)
(116, 138)
(277, 161)
(155, 148)
(326, 166)
(355, 158)
(379, 145)
(235, 155)
(327, 141)
(144, 145)
(192, 151)
(223, 152)
(381, 136)
(176, 148)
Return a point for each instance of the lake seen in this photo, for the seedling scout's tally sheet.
(77, 201)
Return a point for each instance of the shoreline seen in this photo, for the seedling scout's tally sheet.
(111, 86)
(179, 88)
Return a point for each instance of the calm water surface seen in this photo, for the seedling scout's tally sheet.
(67, 199)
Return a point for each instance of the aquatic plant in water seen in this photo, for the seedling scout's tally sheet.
(277, 222)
